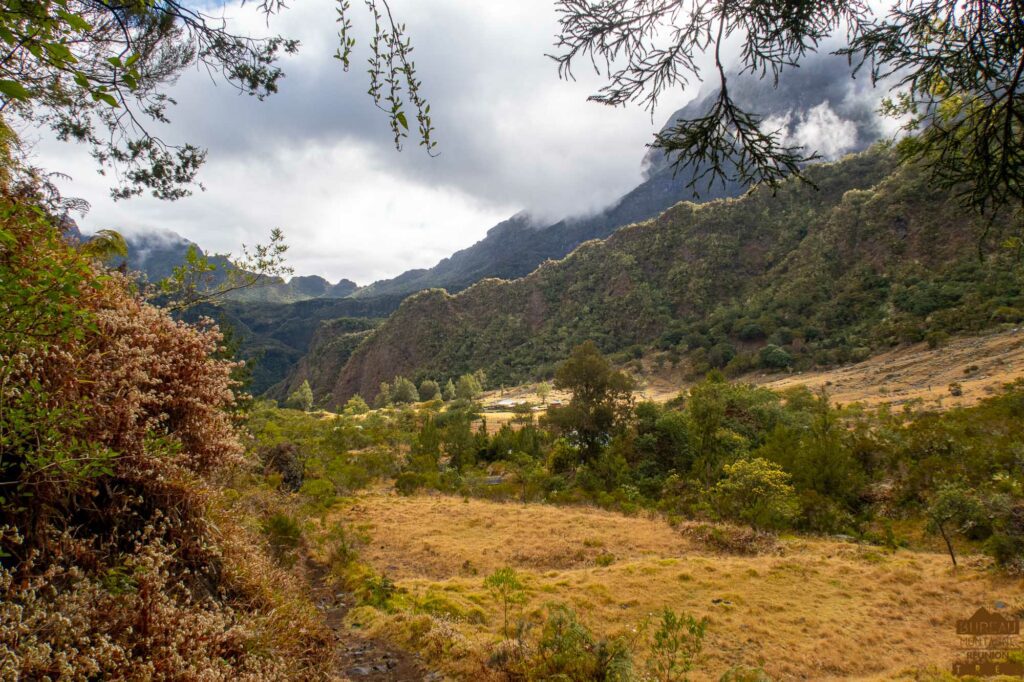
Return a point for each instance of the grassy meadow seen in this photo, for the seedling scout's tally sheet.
(801, 607)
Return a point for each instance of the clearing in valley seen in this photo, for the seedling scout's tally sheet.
(806, 608)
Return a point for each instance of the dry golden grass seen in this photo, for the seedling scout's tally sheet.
(814, 609)
(896, 377)
(899, 376)
(436, 536)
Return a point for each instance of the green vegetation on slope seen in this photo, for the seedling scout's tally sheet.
(728, 465)
(871, 257)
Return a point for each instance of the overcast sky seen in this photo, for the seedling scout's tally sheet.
(317, 158)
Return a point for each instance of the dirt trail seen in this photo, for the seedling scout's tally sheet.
(361, 658)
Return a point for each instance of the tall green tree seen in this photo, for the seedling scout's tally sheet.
(301, 398)
(468, 387)
(953, 510)
(403, 391)
(602, 399)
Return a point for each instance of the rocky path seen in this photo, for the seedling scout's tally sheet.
(362, 659)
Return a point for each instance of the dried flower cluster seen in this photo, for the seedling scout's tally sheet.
(114, 421)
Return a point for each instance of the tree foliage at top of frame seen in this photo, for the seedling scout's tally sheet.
(97, 72)
(953, 69)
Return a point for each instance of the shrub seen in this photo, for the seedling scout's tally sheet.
(286, 460)
(741, 540)
(283, 535)
(117, 419)
(567, 650)
(379, 591)
(320, 492)
(936, 339)
(757, 492)
(356, 405)
(429, 390)
(1006, 545)
(775, 357)
(408, 482)
(674, 646)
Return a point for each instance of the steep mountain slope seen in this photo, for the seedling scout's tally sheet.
(332, 345)
(818, 104)
(156, 253)
(873, 256)
(273, 337)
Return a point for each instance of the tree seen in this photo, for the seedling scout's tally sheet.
(403, 391)
(757, 492)
(429, 390)
(507, 588)
(775, 357)
(543, 391)
(468, 387)
(955, 72)
(301, 398)
(383, 398)
(602, 399)
(953, 509)
(675, 646)
(95, 72)
(449, 391)
(522, 413)
(713, 443)
(104, 245)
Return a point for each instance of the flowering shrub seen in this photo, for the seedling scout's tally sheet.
(115, 421)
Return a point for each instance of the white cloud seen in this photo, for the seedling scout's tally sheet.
(317, 161)
(822, 130)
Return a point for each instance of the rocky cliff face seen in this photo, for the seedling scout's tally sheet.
(331, 347)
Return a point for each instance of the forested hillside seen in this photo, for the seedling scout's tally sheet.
(273, 337)
(516, 246)
(807, 275)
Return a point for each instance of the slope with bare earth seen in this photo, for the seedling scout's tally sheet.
(809, 609)
(980, 364)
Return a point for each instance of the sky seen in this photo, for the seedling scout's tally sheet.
(318, 161)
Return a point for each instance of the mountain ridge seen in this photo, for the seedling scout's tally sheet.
(817, 105)
(800, 277)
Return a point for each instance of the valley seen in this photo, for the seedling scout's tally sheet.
(841, 609)
(749, 411)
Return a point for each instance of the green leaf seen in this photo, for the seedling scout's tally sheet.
(60, 52)
(75, 21)
(14, 90)
(105, 97)
(400, 117)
